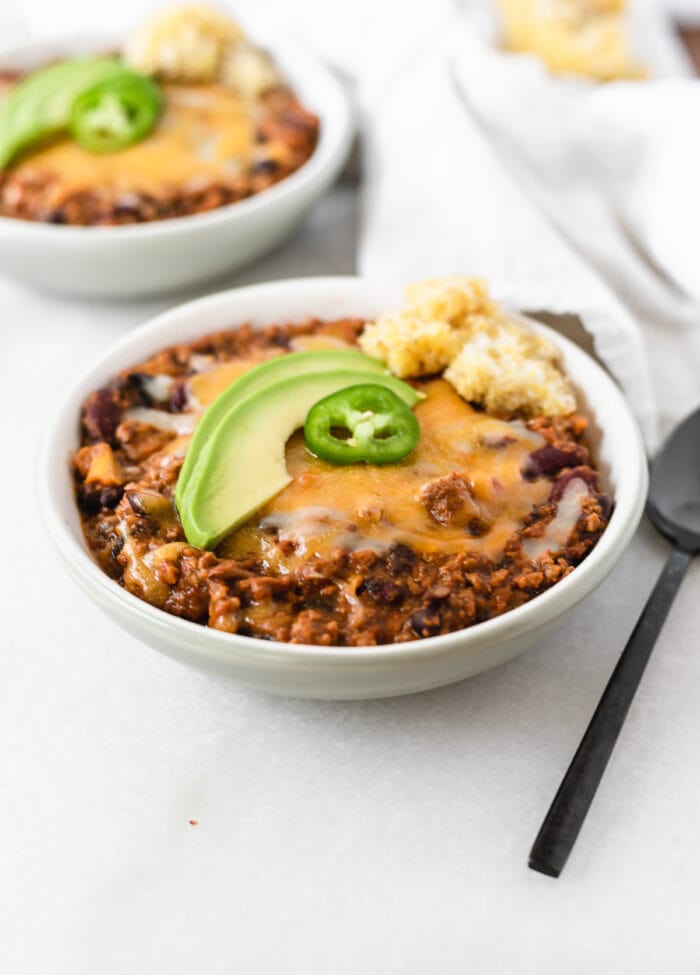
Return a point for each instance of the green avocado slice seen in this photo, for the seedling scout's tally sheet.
(245, 465)
(39, 106)
(285, 367)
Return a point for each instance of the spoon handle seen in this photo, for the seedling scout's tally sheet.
(562, 823)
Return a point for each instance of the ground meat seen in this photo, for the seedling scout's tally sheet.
(140, 440)
(449, 501)
(125, 481)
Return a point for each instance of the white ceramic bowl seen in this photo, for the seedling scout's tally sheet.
(335, 672)
(165, 255)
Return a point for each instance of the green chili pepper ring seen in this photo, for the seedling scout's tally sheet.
(361, 423)
(116, 113)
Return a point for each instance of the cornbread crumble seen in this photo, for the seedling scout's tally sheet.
(581, 37)
(492, 360)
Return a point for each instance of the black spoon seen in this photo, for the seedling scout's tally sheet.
(674, 508)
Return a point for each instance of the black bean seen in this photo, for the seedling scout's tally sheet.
(400, 559)
(263, 166)
(133, 385)
(382, 590)
(438, 593)
(280, 339)
(426, 622)
(130, 211)
(111, 496)
(117, 545)
(89, 499)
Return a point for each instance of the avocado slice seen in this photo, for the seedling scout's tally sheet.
(245, 465)
(285, 367)
(39, 106)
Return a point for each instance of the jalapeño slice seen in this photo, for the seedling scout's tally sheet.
(116, 113)
(364, 423)
(38, 107)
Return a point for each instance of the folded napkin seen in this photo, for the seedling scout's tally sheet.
(559, 192)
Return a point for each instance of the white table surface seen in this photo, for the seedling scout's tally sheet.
(378, 837)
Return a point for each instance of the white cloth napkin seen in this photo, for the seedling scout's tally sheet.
(567, 196)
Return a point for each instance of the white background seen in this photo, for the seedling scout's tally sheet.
(383, 837)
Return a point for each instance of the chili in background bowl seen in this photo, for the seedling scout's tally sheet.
(140, 259)
(337, 672)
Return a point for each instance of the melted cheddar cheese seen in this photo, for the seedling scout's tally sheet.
(368, 507)
(205, 134)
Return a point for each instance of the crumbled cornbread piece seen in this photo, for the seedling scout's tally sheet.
(429, 333)
(584, 37)
(489, 358)
(248, 70)
(512, 369)
(450, 299)
(187, 44)
(411, 346)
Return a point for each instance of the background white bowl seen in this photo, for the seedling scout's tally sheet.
(153, 258)
(335, 672)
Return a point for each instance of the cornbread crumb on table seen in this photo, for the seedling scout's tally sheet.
(581, 37)
(489, 358)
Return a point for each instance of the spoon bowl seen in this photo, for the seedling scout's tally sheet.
(674, 489)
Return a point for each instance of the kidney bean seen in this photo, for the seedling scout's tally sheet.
(585, 474)
(554, 457)
(178, 397)
(102, 414)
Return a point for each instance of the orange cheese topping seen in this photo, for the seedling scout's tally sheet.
(205, 386)
(362, 506)
(205, 133)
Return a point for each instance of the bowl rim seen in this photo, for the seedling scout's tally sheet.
(630, 496)
(337, 127)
